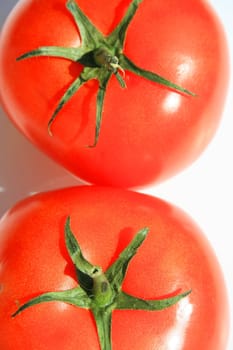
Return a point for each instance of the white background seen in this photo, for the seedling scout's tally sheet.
(204, 190)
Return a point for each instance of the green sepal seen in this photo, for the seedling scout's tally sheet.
(125, 301)
(69, 53)
(127, 64)
(117, 271)
(103, 82)
(72, 89)
(90, 35)
(74, 250)
(118, 35)
(75, 296)
(120, 80)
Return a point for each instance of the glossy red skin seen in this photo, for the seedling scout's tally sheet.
(175, 257)
(149, 133)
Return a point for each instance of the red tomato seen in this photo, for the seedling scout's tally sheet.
(175, 256)
(148, 132)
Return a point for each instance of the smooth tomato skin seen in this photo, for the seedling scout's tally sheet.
(148, 133)
(175, 257)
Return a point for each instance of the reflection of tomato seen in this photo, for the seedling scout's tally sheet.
(174, 257)
(148, 132)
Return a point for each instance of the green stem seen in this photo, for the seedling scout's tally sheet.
(103, 319)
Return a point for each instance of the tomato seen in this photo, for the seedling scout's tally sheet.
(175, 258)
(149, 132)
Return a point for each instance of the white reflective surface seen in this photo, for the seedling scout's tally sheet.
(175, 337)
(172, 102)
(204, 190)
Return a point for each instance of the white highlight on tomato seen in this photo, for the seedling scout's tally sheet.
(176, 336)
(172, 102)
